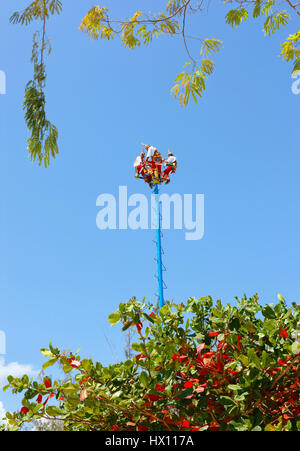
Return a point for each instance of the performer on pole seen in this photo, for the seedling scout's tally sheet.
(139, 165)
(150, 151)
(150, 168)
(171, 166)
(157, 163)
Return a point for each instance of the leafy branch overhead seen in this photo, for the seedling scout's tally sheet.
(42, 143)
(141, 29)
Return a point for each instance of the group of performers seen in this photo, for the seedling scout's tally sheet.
(150, 169)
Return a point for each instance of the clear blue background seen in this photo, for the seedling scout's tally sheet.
(60, 275)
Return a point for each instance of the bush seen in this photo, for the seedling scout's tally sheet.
(198, 366)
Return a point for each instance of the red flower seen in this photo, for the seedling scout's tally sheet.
(175, 356)
(182, 358)
(84, 394)
(281, 362)
(283, 333)
(188, 384)
(85, 379)
(140, 357)
(75, 363)
(206, 364)
(201, 388)
(39, 399)
(24, 410)
(114, 427)
(214, 427)
(186, 424)
(47, 383)
(49, 396)
(141, 427)
(239, 339)
(153, 397)
(139, 326)
(160, 387)
(213, 334)
(200, 347)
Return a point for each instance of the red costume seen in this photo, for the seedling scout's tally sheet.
(171, 164)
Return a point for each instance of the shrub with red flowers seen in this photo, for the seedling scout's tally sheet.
(198, 366)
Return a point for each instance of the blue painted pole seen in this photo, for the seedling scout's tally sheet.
(159, 251)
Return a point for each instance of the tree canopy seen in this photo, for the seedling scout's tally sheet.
(141, 29)
(197, 366)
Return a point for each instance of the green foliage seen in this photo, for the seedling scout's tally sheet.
(198, 366)
(274, 21)
(92, 24)
(236, 16)
(290, 50)
(140, 29)
(193, 82)
(43, 140)
(42, 143)
(133, 32)
(36, 10)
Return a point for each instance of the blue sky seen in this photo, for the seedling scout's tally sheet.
(60, 277)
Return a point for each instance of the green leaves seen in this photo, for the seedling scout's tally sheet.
(133, 32)
(245, 378)
(42, 143)
(46, 352)
(268, 312)
(210, 46)
(36, 10)
(289, 49)
(253, 358)
(144, 379)
(296, 65)
(275, 21)
(92, 25)
(236, 16)
(192, 83)
(114, 318)
(230, 405)
(50, 362)
(139, 29)
(69, 388)
(257, 8)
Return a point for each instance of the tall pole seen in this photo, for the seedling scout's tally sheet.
(158, 246)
